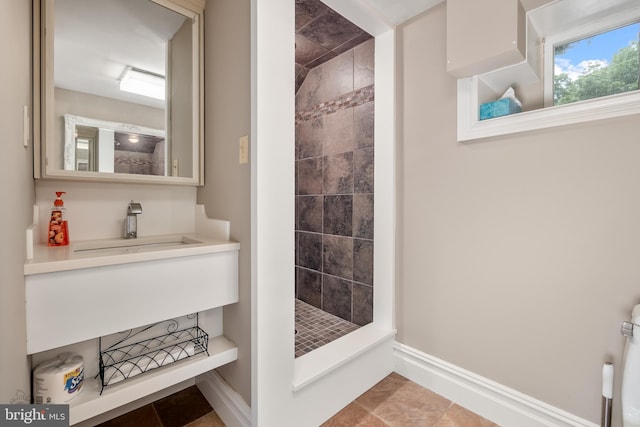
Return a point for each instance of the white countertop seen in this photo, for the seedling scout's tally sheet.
(80, 254)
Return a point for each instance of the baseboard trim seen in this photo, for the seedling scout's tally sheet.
(498, 403)
(227, 403)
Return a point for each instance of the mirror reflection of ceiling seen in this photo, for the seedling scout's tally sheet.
(321, 34)
(86, 32)
(123, 141)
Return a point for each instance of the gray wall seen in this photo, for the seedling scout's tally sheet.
(17, 196)
(227, 190)
(518, 255)
(101, 108)
(181, 103)
(334, 186)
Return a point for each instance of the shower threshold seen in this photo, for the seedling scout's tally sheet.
(315, 328)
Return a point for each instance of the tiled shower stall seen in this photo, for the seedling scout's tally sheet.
(334, 185)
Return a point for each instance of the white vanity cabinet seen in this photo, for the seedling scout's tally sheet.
(68, 306)
(87, 290)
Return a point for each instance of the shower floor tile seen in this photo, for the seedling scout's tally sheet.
(316, 328)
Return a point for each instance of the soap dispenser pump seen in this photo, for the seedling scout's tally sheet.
(58, 228)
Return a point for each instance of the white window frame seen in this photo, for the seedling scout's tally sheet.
(470, 128)
(576, 34)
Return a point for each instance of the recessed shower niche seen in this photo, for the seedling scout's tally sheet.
(334, 170)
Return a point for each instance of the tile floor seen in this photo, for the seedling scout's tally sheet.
(316, 328)
(397, 402)
(186, 408)
(393, 402)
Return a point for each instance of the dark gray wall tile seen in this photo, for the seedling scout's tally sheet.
(295, 245)
(310, 287)
(337, 173)
(309, 138)
(307, 50)
(362, 304)
(309, 217)
(363, 171)
(338, 134)
(340, 204)
(310, 176)
(363, 121)
(337, 215)
(336, 296)
(308, 95)
(301, 74)
(337, 253)
(363, 64)
(310, 250)
(321, 60)
(363, 261)
(307, 11)
(340, 69)
(358, 40)
(330, 29)
(362, 216)
(296, 177)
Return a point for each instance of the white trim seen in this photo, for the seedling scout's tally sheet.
(384, 264)
(487, 398)
(317, 364)
(470, 128)
(228, 404)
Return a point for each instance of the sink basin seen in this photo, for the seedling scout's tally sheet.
(141, 244)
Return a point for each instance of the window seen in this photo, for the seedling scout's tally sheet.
(589, 57)
(595, 66)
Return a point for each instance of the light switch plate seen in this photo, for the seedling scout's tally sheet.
(244, 150)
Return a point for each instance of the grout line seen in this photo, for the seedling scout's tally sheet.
(153, 406)
(371, 412)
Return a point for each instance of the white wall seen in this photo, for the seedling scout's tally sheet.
(518, 256)
(98, 210)
(227, 190)
(17, 197)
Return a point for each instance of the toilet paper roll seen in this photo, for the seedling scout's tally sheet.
(58, 380)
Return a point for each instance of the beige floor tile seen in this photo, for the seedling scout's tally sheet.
(412, 405)
(457, 416)
(210, 420)
(354, 415)
(381, 391)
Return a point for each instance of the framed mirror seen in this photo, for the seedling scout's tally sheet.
(117, 90)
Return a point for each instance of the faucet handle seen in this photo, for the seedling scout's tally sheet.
(134, 208)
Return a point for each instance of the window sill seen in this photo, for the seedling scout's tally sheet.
(470, 128)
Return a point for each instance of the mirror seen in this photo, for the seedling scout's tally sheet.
(120, 90)
(102, 146)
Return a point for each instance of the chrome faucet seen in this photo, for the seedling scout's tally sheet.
(131, 223)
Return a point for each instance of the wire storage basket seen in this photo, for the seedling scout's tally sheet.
(126, 359)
